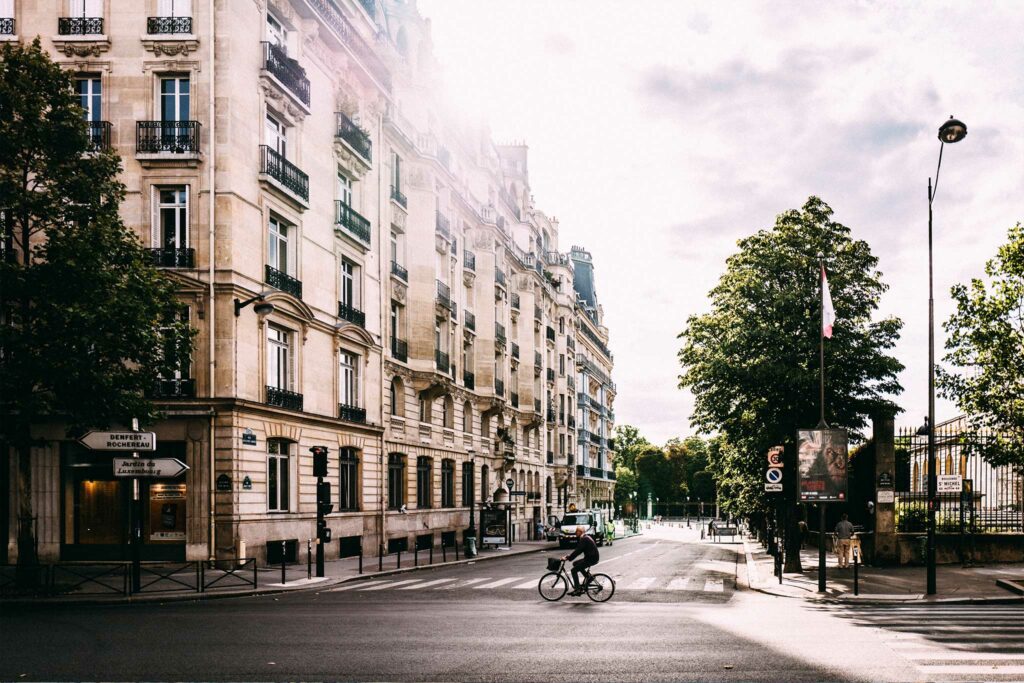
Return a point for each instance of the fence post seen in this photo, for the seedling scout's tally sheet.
(309, 559)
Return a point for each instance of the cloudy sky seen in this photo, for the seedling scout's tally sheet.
(661, 132)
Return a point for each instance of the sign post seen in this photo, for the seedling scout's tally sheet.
(136, 515)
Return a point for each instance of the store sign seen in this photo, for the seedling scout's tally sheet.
(248, 437)
(821, 460)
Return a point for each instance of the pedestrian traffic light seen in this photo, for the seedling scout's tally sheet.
(323, 498)
(323, 532)
(319, 460)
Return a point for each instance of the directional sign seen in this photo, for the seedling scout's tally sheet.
(775, 456)
(773, 476)
(949, 483)
(773, 488)
(119, 441)
(158, 468)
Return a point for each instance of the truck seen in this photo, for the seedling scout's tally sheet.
(592, 522)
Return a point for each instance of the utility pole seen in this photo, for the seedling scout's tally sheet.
(324, 506)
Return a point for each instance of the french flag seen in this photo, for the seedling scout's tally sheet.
(828, 313)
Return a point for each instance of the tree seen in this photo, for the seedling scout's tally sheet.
(625, 485)
(752, 362)
(986, 337)
(628, 444)
(87, 324)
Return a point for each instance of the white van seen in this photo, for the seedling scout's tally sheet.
(592, 522)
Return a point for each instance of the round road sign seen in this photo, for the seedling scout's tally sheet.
(773, 476)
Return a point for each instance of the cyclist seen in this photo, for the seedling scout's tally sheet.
(585, 545)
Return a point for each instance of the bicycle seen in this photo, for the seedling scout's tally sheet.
(555, 584)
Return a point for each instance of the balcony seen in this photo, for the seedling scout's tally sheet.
(399, 198)
(282, 398)
(499, 278)
(536, 313)
(515, 301)
(352, 222)
(499, 387)
(286, 283)
(441, 362)
(80, 26)
(611, 475)
(287, 71)
(515, 399)
(469, 260)
(551, 374)
(399, 271)
(515, 350)
(582, 436)
(99, 135)
(168, 25)
(551, 333)
(351, 413)
(551, 458)
(469, 320)
(173, 258)
(399, 349)
(444, 296)
(290, 176)
(469, 379)
(442, 225)
(499, 334)
(173, 388)
(167, 137)
(597, 473)
(351, 314)
(6, 26)
(572, 422)
(595, 439)
(357, 138)
(551, 416)
(581, 470)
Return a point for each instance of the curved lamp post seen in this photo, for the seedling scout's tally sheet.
(950, 132)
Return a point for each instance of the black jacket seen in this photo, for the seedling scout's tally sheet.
(586, 546)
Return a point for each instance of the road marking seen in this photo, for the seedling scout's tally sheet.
(681, 584)
(1001, 670)
(390, 584)
(949, 655)
(464, 584)
(641, 584)
(714, 586)
(528, 584)
(435, 582)
(632, 552)
(356, 584)
(499, 582)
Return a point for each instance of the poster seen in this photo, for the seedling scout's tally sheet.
(821, 458)
(493, 522)
(167, 513)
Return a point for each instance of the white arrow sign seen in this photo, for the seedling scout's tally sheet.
(119, 441)
(160, 468)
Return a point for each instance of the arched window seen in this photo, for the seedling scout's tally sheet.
(449, 412)
(485, 426)
(547, 491)
(467, 484)
(348, 479)
(424, 474)
(426, 410)
(467, 417)
(397, 406)
(949, 464)
(278, 475)
(447, 483)
(396, 480)
(485, 483)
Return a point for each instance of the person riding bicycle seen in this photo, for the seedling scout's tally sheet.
(585, 545)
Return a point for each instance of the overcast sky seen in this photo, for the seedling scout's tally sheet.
(661, 132)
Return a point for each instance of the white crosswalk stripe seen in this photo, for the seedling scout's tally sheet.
(464, 584)
(681, 583)
(391, 584)
(355, 585)
(714, 586)
(428, 584)
(529, 584)
(499, 582)
(643, 583)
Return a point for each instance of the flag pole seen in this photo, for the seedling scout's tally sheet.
(821, 338)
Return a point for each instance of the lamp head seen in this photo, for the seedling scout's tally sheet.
(263, 308)
(952, 131)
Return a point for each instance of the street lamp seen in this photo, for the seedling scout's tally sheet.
(951, 131)
(264, 307)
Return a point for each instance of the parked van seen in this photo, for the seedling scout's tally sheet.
(592, 522)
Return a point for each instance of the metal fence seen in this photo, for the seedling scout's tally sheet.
(992, 496)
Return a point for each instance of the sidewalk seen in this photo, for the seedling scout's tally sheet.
(895, 585)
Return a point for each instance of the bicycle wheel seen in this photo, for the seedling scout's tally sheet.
(600, 588)
(552, 586)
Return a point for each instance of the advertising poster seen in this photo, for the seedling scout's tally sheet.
(821, 458)
(493, 522)
(167, 512)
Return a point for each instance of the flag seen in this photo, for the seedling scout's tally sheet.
(828, 314)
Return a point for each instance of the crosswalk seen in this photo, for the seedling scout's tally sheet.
(677, 584)
(953, 642)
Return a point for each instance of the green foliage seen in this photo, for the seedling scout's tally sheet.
(986, 338)
(625, 485)
(628, 444)
(752, 362)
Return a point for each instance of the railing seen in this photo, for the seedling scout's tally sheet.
(536, 313)
(536, 405)
(351, 413)
(173, 258)
(581, 470)
(283, 171)
(470, 320)
(551, 416)
(611, 474)
(282, 398)
(399, 349)
(286, 70)
(367, 55)
(572, 422)
(551, 458)
(499, 277)
(399, 271)
(80, 26)
(444, 295)
(286, 283)
(442, 225)
(499, 387)
(469, 260)
(355, 136)
(582, 436)
(597, 472)
(441, 361)
(537, 359)
(175, 137)
(595, 439)
(99, 134)
(589, 334)
(551, 374)
(174, 388)
(6, 26)
(168, 25)
(499, 333)
(570, 343)
(351, 314)
(397, 195)
(515, 399)
(515, 301)
(550, 333)
(515, 350)
(469, 379)
(351, 220)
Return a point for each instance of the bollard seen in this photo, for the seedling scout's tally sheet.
(856, 582)
(702, 533)
(309, 558)
(399, 565)
(416, 556)
(380, 558)
(283, 579)
(444, 554)
(431, 553)
(360, 558)
(456, 552)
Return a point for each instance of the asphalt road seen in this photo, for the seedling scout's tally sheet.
(676, 615)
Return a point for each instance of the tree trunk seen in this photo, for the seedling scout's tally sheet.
(28, 558)
(793, 540)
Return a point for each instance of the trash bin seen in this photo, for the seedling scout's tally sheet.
(471, 546)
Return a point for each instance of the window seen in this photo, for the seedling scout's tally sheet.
(85, 8)
(394, 249)
(396, 321)
(279, 352)
(172, 217)
(396, 171)
(348, 479)
(424, 467)
(396, 480)
(345, 190)
(349, 380)
(561, 325)
(171, 352)
(276, 33)
(89, 90)
(174, 8)
(174, 98)
(397, 397)
(278, 254)
(447, 483)
(448, 413)
(349, 284)
(561, 365)
(276, 134)
(467, 417)
(467, 484)
(278, 496)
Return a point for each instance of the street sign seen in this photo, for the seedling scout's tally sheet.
(885, 480)
(510, 483)
(517, 493)
(119, 441)
(223, 482)
(949, 483)
(773, 476)
(773, 488)
(159, 468)
(775, 456)
(885, 496)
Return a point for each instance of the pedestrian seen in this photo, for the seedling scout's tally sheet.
(844, 534)
(803, 533)
(540, 530)
(609, 530)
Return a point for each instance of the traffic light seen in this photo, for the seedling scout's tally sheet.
(323, 532)
(323, 498)
(319, 460)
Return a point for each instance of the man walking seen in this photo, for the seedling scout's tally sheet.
(844, 534)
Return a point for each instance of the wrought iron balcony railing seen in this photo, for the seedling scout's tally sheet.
(399, 349)
(443, 225)
(286, 70)
(572, 422)
(80, 26)
(168, 25)
(397, 195)
(611, 474)
(99, 134)
(283, 281)
(6, 26)
(399, 271)
(356, 137)
(173, 258)
(283, 171)
(173, 388)
(174, 137)
(444, 295)
(536, 405)
(551, 374)
(352, 221)
(469, 379)
(499, 333)
(551, 333)
(282, 398)
(499, 277)
(499, 387)
(351, 314)
(470, 320)
(515, 350)
(351, 413)
(515, 399)
(581, 470)
(469, 260)
(441, 361)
